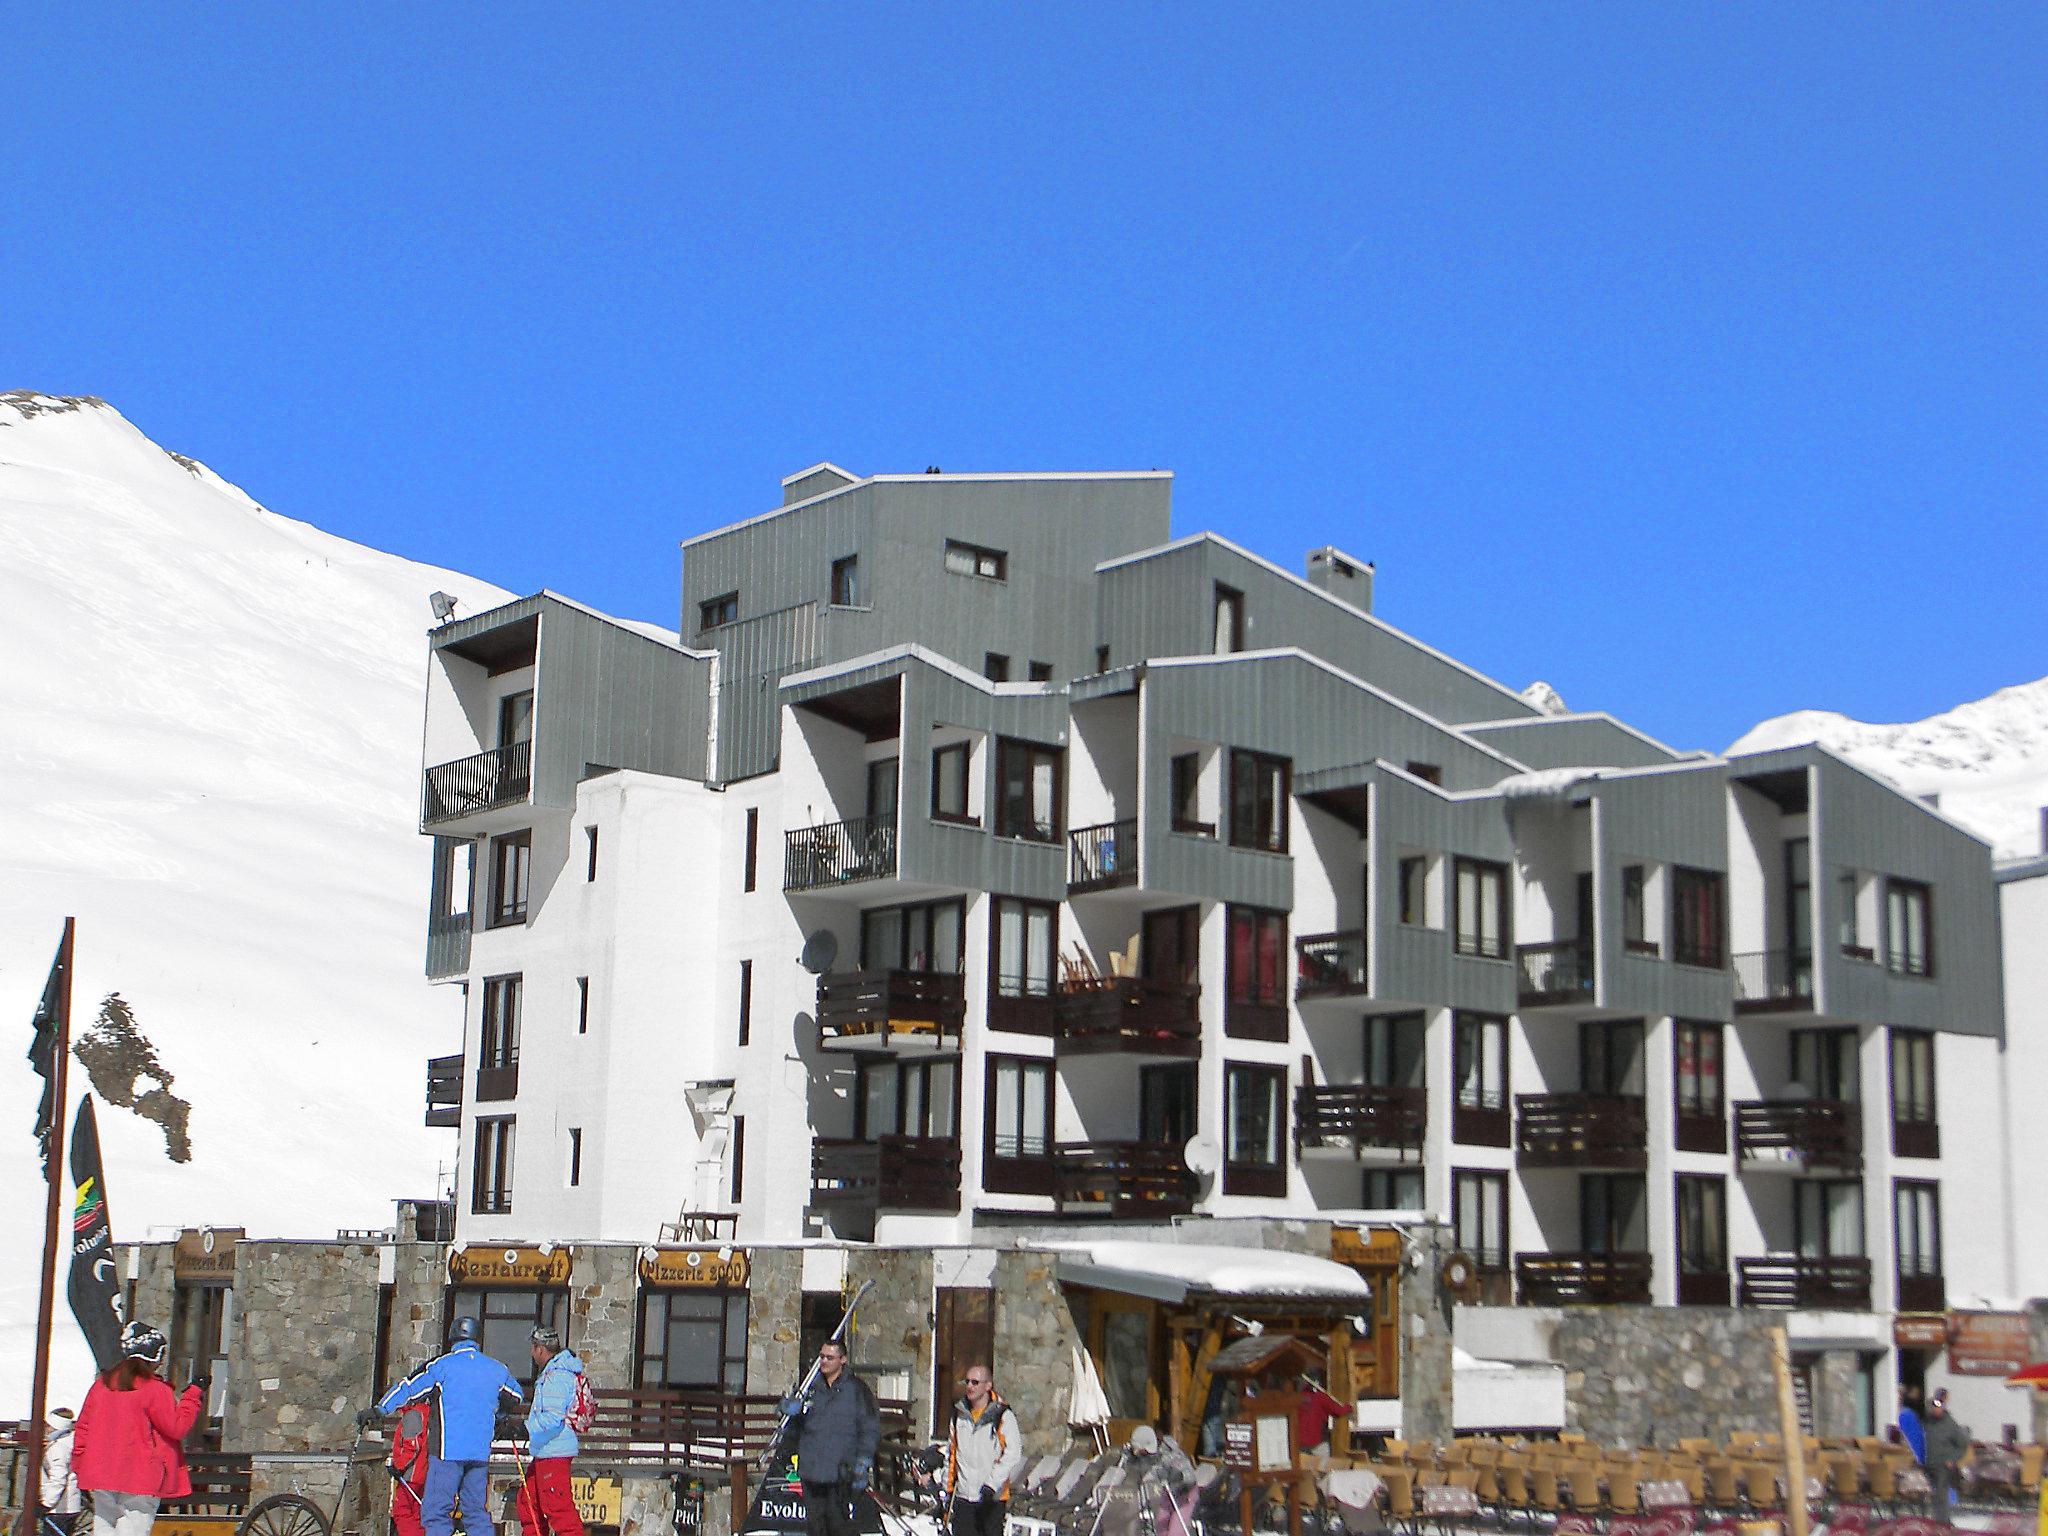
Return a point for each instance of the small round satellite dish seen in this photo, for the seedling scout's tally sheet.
(820, 950)
(1203, 1156)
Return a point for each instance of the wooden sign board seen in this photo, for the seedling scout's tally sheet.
(1920, 1330)
(694, 1267)
(1378, 1246)
(206, 1253)
(1987, 1343)
(483, 1265)
(1238, 1439)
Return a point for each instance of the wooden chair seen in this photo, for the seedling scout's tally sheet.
(1514, 1487)
(1723, 1485)
(1582, 1483)
(1882, 1473)
(1623, 1493)
(1543, 1491)
(1400, 1485)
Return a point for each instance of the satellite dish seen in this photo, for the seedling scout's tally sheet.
(820, 950)
(1204, 1159)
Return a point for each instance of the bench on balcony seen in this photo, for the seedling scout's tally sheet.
(1578, 1279)
(1354, 1116)
(1800, 1133)
(1129, 1013)
(867, 1010)
(892, 1173)
(503, 776)
(1556, 973)
(1580, 1130)
(1832, 1283)
(1330, 964)
(1121, 1179)
(839, 852)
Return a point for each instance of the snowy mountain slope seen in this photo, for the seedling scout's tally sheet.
(210, 723)
(1988, 759)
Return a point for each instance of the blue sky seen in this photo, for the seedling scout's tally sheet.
(1690, 357)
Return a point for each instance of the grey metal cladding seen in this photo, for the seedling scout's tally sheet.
(607, 696)
(1677, 817)
(1572, 741)
(1163, 605)
(1414, 963)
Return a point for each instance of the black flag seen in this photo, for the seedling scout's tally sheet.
(94, 1286)
(42, 1054)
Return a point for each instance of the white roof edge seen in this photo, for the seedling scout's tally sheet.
(1587, 714)
(1735, 763)
(1167, 1271)
(822, 464)
(1345, 555)
(630, 626)
(1329, 597)
(912, 651)
(768, 516)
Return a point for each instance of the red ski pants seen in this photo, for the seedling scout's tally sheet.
(405, 1509)
(545, 1504)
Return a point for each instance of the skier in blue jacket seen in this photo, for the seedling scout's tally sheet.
(468, 1384)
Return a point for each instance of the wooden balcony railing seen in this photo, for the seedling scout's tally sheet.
(1122, 1178)
(1703, 1287)
(480, 783)
(1574, 1279)
(1356, 1115)
(1774, 981)
(1560, 972)
(1839, 1284)
(870, 1008)
(444, 1091)
(1130, 1013)
(497, 1080)
(1102, 857)
(1330, 964)
(1922, 1290)
(839, 852)
(1916, 1138)
(1580, 1130)
(894, 1173)
(1820, 1133)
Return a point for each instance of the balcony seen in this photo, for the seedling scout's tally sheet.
(448, 946)
(1915, 1138)
(444, 1091)
(1102, 857)
(894, 1173)
(891, 1010)
(702, 1227)
(1582, 1279)
(1352, 1117)
(1796, 1280)
(1330, 965)
(839, 853)
(1800, 1133)
(1922, 1290)
(1774, 981)
(1580, 1130)
(1122, 1179)
(1703, 1287)
(1129, 1013)
(1554, 975)
(498, 1080)
(470, 785)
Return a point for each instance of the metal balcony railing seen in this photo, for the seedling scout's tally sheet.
(1559, 972)
(448, 946)
(1768, 980)
(1102, 857)
(1330, 964)
(468, 785)
(1820, 1133)
(839, 852)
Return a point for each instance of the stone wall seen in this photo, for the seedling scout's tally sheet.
(1834, 1393)
(1425, 1334)
(602, 1288)
(1035, 1344)
(893, 1329)
(1652, 1375)
(419, 1279)
(155, 1283)
(305, 1351)
(775, 1283)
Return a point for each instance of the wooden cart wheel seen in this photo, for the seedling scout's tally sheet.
(284, 1514)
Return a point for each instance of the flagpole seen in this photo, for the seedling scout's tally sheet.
(32, 1491)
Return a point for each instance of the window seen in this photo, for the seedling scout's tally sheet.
(1255, 974)
(1255, 1130)
(882, 786)
(508, 1318)
(1168, 1098)
(515, 718)
(1827, 1218)
(1024, 947)
(1017, 1156)
(1611, 1213)
(995, 666)
(1798, 896)
(972, 560)
(846, 582)
(1027, 790)
(1258, 801)
(1824, 1064)
(574, 1171)
(1039, 671)
(1702, 1204)
(1479, 1217)
(1429, 773)
(1229, 625)
(1391, 1189)
(1411, 883)
(1697, 909)
(692, 1341)
(949, 784)
(753, 848)
(1697, 1086)
(723, 609)
(1482, 909)
(499, 1046)
(582, 1005)
(1635, 911)
(736, 1191)
(925, 937)
(1479, 1066)
(908, 1098)
(746, 1001)
(1915, 1132)
(1916, 1212)
(1611, 1057)
(1848, 888)
(1393, 1056)
(1185, 782)
(490, 1185)
(590, 865)
(511, 862)
(1908, 937)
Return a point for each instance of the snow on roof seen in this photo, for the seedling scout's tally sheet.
(1168, 1271)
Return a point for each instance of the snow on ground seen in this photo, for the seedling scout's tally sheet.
(1988, 759)
(210, 724)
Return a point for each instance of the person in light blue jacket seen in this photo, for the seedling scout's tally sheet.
(467, 1384)
(546, 1502)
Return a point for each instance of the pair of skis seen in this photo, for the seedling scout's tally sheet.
(773, 1454)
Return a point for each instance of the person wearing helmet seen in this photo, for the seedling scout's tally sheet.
(465, 1384)
(128, 1447)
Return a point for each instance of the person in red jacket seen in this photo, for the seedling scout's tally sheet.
(409, 1454)
(128, 1449)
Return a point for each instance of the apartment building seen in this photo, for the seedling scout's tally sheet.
(984, 863)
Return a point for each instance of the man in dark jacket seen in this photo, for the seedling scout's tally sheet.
(1948, 1442)
(836, 1427)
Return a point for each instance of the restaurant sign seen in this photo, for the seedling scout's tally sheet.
(206, 1253)
(484, 1265)
(1920, 1330)
(1987, 1343)
(721, 1267)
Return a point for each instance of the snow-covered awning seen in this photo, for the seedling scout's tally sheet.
(1170, 1271)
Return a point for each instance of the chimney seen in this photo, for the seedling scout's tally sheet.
(1349, 581)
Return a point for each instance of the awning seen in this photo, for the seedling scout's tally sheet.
(1171, 1271)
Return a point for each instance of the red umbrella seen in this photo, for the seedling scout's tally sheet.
(2035, 1375)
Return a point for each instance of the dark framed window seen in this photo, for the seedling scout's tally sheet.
(1229, 620)
(1848, 921)
(1916, 1131)
(1017, 1139)
(575, 1155)
(1039, 671)
(1028, 790)
(1479, 1067)
(1698, 1087)
(1635, 911)
(1254, 1130)
(1185, 771)
(722, 609)
(1168, 1100)
(1259, 787)
(511, 867)
(507, 1316)
(846, 582)
(1255, 974)
(927, 936)
(883, 773)
(737, 1151)
(746, 1001)
(964, 559)
(1411, 889)
(995, 666)
(949, 784)
(1479, 1217)
(1799, 895)
(590, 854)
(1699, 911)
(1908, 928)
(1024, 943)
(490, 1183)
(1612, 1213)
(515, 718)
(582, 1005)
(753, 861)
(1611, 1057)
(1824, 1063)
(691, 1341)
(1391, 1189)
(1827, 1218)
(1916, 1228)
(908, 1098)
(499, 1043)
(1393, 1055)
(1700, 1202)
(1481, 921)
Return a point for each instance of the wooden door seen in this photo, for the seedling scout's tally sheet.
(964, 1335)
